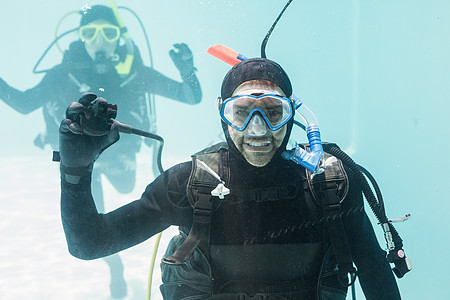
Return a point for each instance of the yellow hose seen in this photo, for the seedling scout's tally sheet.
(152, 265)
(113, 5)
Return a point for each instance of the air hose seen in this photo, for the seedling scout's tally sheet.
(152, 266)
(48, 48)
(57, 27)
(396, 254)
(130, 130)
(376, 205)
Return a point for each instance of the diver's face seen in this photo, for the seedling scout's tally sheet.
(100, 45)
(257, 142)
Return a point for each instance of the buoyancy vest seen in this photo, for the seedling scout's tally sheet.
(271, 243)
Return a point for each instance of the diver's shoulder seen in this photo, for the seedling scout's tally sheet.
(180, 168)
(222, 146)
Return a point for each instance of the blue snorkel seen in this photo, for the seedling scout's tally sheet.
(310, 160)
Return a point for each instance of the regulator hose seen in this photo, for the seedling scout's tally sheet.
(375, 204)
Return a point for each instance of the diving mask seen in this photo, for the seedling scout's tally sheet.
(238, 111)
(89, 33)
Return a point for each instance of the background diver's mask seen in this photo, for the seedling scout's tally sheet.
(272, 109)
(89, 33)
(101, 43)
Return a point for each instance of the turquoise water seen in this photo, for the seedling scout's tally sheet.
(376, 74)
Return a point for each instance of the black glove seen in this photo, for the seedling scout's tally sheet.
(183, 59)
(85, 133)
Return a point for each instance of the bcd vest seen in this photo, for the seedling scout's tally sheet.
(292, 259)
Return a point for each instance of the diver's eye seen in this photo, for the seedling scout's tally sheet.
(240, 114)
(111, 33)
(88, 33)
(274, 115)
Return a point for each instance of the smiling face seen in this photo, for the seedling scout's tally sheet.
(257, 143)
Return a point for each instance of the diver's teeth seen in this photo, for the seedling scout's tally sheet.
(259, 144)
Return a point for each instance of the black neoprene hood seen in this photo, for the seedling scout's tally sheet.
(254, 69)
(97, 12)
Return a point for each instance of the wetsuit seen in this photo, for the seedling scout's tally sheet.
(280, 223)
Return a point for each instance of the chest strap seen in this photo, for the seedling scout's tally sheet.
(201, 224)
(332, 214)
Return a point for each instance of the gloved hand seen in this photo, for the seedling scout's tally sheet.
(183, 59)
(86, 132)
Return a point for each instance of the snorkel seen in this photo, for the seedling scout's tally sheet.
(226, 54)
(309, 160)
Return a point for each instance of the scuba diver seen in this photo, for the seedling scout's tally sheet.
(254, 224)
(257, 220)
(99, 63)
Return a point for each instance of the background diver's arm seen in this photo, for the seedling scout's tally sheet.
(28, 101)
(188, 91)
(192, 92)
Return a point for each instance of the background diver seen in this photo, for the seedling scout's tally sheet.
(99, 62)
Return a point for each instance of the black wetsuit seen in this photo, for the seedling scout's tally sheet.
(245, 223)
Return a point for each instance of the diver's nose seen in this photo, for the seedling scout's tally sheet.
(257, 126)
(99, 40)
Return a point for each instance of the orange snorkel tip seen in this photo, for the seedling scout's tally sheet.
(226, 54)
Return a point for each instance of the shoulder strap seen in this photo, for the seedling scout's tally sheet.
(209, 167)
(329, 189)
(199, 190)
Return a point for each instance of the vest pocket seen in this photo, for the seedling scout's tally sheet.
(191, 280)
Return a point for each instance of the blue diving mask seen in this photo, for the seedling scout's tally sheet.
(238, 111)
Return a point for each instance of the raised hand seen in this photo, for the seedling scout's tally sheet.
(87, 131)
(183, 59)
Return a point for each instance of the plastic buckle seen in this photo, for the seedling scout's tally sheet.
(202, 215)
(203, 207)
